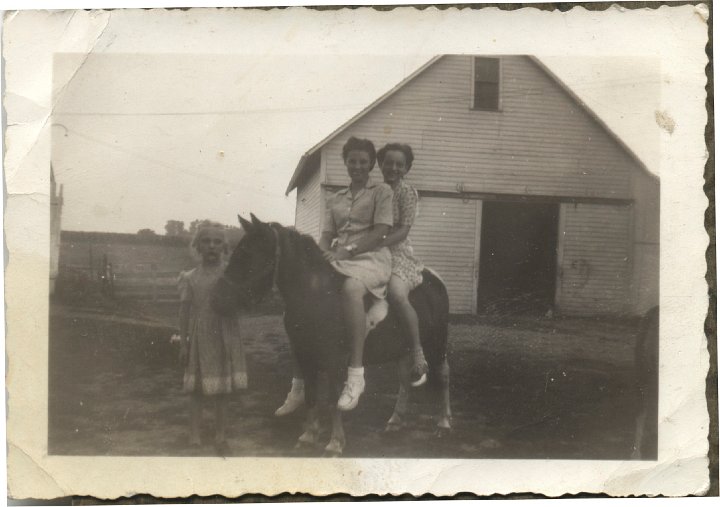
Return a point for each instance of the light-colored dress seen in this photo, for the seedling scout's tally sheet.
(404, 263)
(216, 362)
(349, 218)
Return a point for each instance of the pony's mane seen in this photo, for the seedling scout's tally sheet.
(304, 244)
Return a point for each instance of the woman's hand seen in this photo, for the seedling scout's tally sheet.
(342, 254)
(336, 255)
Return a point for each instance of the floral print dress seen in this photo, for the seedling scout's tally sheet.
(404, 263)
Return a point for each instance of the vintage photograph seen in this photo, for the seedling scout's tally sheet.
(356, 251)
(460, 261)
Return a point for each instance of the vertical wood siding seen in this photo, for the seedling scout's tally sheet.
(309, 208)
(594, 259)
(540, 143)
(443, 238)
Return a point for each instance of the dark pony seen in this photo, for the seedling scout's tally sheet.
(270, 254)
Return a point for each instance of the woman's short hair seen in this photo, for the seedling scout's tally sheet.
(405, 148)
(356, 144)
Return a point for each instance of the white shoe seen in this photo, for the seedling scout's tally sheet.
(350, 396)
(295, 398)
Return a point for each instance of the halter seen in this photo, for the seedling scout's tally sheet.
(275, 267)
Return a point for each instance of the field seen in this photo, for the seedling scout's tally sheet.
(520, 388)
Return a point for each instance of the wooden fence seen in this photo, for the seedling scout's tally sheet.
(153, 285)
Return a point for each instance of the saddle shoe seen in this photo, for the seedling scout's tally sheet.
(350, 396)
(295, 398)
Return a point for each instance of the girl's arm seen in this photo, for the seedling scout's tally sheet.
(397, 234)
(407, 205)
(184, 321)
(184, 316)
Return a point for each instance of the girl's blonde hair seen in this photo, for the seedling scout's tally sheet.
(203, 228)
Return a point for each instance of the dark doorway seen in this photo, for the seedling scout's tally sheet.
(518, 257)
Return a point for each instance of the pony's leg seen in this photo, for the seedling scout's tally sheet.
(312, 428)
(337, 439)
(639, 436)
(397, 419)
(311, 434)
(444, 424)
(334, 385)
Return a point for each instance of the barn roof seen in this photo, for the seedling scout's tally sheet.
(302, 164)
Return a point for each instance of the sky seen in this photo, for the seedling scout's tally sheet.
(139, 139)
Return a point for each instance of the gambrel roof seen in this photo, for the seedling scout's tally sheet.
(302, 166)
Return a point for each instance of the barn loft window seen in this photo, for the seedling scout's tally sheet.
(486, 89)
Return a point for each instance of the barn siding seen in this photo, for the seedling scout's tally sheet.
(594, 259)
(443, 237)
(309, 208)
(541, 143)
(646, 247)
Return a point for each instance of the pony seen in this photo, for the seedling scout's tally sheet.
(270, 254)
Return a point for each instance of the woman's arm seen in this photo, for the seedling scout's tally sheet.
(396, 235)
(326, 240)
(407, 206)
(370, 241)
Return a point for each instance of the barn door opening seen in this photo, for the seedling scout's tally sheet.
(518, 257)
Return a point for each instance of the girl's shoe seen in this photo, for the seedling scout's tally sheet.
(294, 399)
(354, 387)
(418, 374)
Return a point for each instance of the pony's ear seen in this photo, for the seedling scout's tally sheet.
(245, 224)
(255, 220)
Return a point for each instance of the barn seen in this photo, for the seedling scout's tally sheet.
(528, 201)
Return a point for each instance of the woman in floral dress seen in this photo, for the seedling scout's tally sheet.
(395, 161)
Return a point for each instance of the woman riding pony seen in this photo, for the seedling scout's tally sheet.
(357, 219)
(395, 161)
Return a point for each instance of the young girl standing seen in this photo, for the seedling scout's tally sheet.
(211, 348)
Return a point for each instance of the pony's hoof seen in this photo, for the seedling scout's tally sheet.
(443, 432)
(308, 438)
(333, 450)
(394, 427)
(394, 424)
(302, 444)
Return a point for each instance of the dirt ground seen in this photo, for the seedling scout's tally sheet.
(520, 388)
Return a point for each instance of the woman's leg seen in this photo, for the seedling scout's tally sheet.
(398, 292)
(353, 292)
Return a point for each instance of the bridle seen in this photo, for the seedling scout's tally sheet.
(275, 268)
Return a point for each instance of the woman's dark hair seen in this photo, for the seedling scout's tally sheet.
(355, 144)
(405, 148)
